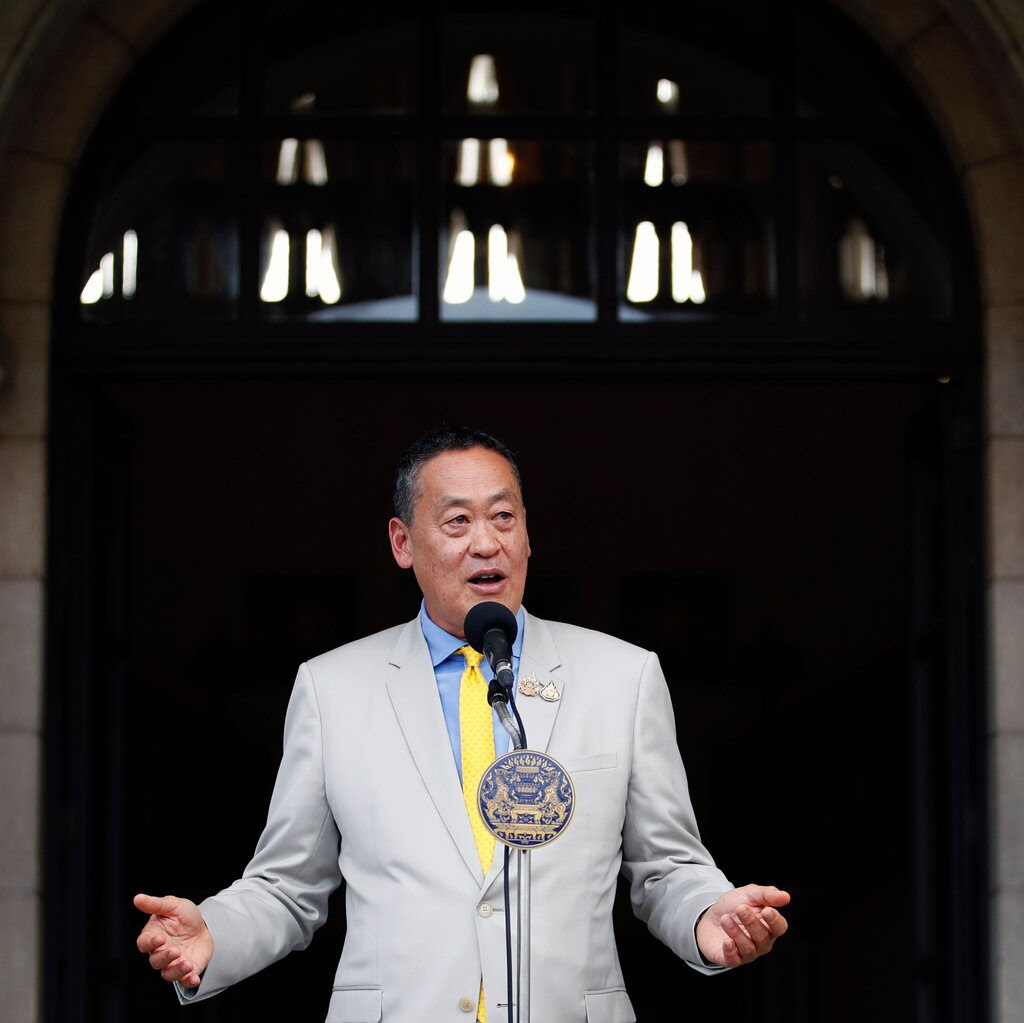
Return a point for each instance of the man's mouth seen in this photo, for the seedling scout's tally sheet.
(486, 578)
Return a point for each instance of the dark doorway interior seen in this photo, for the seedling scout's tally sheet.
(755, 534)
(758, 535)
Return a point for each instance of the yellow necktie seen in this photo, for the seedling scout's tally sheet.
(476, 727)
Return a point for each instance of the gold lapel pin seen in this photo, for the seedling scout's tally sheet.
(529, 686)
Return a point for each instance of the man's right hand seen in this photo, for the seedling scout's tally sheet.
(176, 939)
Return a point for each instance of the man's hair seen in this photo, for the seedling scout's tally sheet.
(436, 442)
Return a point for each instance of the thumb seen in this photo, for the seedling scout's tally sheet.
(766, 895)
(165, 906)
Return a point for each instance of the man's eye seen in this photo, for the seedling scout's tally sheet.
(458, 520)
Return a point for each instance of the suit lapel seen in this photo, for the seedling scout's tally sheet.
(541, 659)
(413, 691)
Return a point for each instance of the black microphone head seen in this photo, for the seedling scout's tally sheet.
(486, 616)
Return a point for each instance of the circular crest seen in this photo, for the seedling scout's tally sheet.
(526, 799)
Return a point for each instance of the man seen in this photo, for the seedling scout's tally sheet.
(370, 789)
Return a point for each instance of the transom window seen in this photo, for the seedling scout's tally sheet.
(741, 165)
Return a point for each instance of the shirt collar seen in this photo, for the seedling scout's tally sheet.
(443, 644)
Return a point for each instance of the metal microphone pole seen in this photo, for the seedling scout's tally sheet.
(522, 996)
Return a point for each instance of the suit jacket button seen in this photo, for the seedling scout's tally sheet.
(484, 909)
(466, 1004)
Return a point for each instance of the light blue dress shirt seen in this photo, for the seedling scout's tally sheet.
(448, 669)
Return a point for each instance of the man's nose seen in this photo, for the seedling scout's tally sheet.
(484, 539)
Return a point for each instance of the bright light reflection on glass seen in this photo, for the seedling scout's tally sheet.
(501, 162)
(514, 290)
(458, 287)
(275, 281)
(497, 259)
(93, 290)
(288, 162)
(329, 280)
(483, 80)
(682, 262)
(322, 277)
(504, 281)
(129, 263)
(468, 171)
(313, 247)
(862, 271)
(315, 162)
(654, 168)
(107, 272)
(643, 271)
(668, 92)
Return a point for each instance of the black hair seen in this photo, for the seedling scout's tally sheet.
(436, 442)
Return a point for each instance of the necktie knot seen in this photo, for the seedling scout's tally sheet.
(473, 658)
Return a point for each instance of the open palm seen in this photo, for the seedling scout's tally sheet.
(742, 925)
(176, 938)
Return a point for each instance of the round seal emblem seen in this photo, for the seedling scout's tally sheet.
(526, 799)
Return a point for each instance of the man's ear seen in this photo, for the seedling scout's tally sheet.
(401, 542)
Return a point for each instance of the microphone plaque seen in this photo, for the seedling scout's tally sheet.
(526, 799)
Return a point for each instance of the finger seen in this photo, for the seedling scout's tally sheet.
(756, 927)
(745, 947)
(730, 954)
(165, 957)
(190, 980)
(157, 906)
(765, 895)
(775, 921)
(150, 940)
(176, 970)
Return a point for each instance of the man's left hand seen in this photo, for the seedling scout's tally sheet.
(742, 925)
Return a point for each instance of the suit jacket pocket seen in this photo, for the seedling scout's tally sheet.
(355, 1005)
(611, 1005)
(591, 762)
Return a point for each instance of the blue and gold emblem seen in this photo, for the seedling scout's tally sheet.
(526, 799)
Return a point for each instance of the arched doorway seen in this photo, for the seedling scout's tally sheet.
(733, 485)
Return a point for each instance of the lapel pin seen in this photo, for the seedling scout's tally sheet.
(550, 693)
(529, 686)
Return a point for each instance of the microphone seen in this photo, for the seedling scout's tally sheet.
(492, 629)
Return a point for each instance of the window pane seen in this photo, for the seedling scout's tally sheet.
(840, 75)
(517, 234)
(697, 228)
(874, 232)
(337, 236)
(164, 239)
(694, 76)
(518, 65)
(322, 59)
(196, 70)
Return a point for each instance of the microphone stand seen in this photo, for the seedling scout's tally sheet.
(499, 697)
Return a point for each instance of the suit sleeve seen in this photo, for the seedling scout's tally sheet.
(672, 877)
(281, 898)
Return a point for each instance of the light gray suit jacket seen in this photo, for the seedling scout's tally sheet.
(368, 791)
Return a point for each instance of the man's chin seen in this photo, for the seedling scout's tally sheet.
(501, 595)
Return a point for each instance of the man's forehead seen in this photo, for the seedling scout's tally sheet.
(469, 464)
(454, 477)
(453, 499)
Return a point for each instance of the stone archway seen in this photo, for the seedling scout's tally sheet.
(59, 64)
(965, 61)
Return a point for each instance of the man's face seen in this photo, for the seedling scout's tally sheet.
(467, 541)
